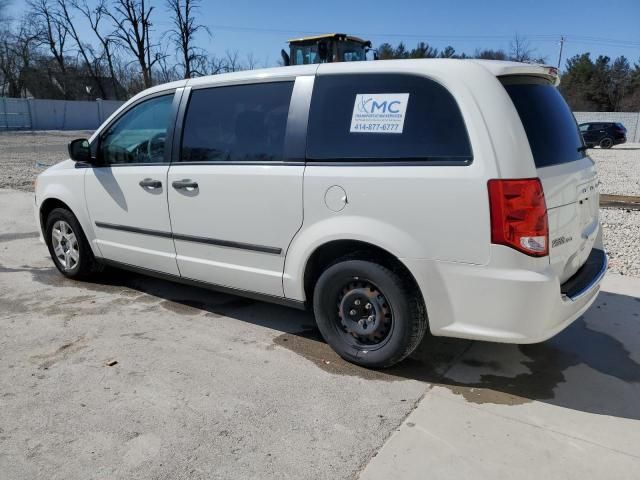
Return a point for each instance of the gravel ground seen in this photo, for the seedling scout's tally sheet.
(618, 168)
(621, 230)
(25, 154)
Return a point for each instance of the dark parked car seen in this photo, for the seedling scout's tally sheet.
(604, 134)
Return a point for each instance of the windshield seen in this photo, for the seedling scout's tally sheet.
(551, 128)
(303, 55)
(351, 52)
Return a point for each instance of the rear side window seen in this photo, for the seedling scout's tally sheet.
(240, 123)
(551, 128)
(432, 128)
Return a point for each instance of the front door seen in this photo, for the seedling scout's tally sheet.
(126, 191)
(235, 197)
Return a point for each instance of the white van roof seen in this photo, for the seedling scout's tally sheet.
(495, 67)
(427, 65)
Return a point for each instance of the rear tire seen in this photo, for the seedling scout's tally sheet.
(68, 246)
(369, 314)
(606, 142)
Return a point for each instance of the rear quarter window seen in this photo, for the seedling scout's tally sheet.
(551, 128)
(433, 130)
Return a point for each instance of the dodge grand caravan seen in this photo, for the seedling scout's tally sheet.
(390, 197)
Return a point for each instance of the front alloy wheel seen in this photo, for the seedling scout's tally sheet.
(68, 245)
(65, 245)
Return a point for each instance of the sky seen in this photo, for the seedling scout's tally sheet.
(262, 28)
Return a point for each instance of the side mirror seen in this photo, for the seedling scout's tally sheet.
(79, 150)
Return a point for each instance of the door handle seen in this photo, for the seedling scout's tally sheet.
(185, 184)
(150, 184)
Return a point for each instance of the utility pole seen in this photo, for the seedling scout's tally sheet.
(560, 54)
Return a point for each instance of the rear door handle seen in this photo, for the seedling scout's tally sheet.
(185, 184)
(150, 184)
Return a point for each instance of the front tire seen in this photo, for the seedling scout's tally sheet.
(369, 314)
(68, 246)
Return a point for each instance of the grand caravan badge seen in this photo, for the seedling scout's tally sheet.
(379, 112)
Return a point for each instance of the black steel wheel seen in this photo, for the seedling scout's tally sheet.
(364, 313)
(369, 314)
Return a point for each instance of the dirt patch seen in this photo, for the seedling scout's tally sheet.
(60, 354)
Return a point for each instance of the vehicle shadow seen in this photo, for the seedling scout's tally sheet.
(593, 366)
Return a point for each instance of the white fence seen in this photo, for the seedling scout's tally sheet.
(38, 114)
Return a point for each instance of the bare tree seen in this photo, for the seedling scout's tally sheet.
(182, 35)
(52, 33)
(84, 49)
(94, 16)
(165, 71)
(215, 65)
(17, 52)
(128, 75)
(520, 49)
(232, 61)
(252, 62)
(133, 31)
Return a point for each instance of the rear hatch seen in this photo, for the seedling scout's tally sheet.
(567, 174)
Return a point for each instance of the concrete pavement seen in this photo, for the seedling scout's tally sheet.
(208, 385)
(565, 409)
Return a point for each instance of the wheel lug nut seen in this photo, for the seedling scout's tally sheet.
(357, 302)
(370, 319)
(352, 312)
(361, 322)
(368, 306)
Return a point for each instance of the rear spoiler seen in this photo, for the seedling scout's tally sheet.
(501, 69)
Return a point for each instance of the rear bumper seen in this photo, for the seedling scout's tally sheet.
(590, 274)
(505, 304)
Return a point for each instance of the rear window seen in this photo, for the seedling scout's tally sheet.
(551, 128)
(414, 120)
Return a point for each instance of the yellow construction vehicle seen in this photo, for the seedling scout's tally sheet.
(327, 48)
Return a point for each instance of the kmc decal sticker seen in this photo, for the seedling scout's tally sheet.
(379, 112)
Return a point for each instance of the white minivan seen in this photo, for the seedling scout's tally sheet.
(391, 197)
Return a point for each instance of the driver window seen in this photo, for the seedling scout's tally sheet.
(138, 136)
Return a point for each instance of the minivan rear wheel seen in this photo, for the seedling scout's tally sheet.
(370, 315)
(68, 245)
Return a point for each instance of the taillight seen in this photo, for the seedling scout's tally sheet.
(519, 215)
